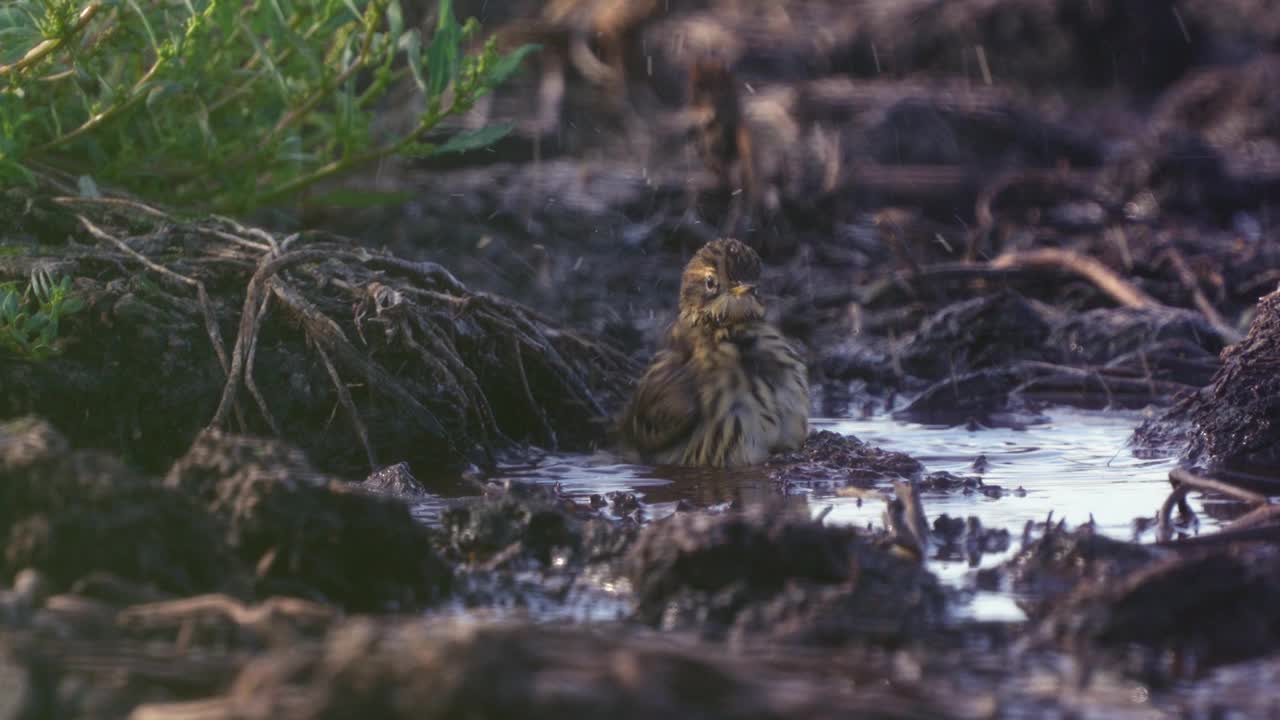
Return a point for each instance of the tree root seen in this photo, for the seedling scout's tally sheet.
(1253, 525)
(175, 613)
(445, 373)
(1103, 277)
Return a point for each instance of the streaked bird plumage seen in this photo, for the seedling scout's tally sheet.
(727, 389)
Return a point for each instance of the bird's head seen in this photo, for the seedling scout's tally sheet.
(718, 288)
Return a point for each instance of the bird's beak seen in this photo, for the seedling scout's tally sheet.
(742, 289)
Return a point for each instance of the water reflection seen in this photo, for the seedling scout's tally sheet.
(1077, 466)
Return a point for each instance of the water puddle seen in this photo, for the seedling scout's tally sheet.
(1077, 466)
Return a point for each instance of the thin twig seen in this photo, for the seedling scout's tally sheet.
(174, 612)
(45, 47)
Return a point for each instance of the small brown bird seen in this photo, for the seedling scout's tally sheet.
(727, 390)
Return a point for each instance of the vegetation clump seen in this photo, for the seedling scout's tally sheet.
(29, 319)
(229, 106)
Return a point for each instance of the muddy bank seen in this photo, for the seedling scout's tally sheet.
(248, 517)
(750, 612)
(1232, 422)
(969, 213)
(358, 357)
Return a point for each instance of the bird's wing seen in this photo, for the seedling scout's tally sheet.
(665, 407)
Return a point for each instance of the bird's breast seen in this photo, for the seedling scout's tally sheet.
(754, 394)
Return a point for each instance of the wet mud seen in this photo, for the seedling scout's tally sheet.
(970, 213)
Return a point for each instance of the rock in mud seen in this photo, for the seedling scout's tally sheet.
(1234, 422)
(781, 575)
(308, 534)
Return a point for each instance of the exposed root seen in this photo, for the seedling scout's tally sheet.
(1106, 279)
(248, 373)
(1257, 524)
(344, 396)
(1182, 476)
(446, 375)
(174, 613)
(202, 295)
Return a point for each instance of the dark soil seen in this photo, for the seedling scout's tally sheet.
(969, 212)
(787, 577)
(244, 516)
(1234, 421)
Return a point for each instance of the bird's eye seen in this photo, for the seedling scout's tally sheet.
(711, 283)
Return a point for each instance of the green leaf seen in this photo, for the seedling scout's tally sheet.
(72, 305)
(508, 64)
(395, 18)
(36, 323)
(474, 139)
(411, 43)
(442, 56)
(18, 339)
(12, 170)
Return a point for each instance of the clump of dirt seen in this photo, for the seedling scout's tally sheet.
(1185, 614)
(1233, 421)
(306, 534)
(974, 334)
(245, 516)
(530, 522)
(1050, 568)
(772, 573)
(832, 457)
(69, 513)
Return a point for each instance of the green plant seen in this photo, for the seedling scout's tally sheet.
(29, 320)
(228, 105)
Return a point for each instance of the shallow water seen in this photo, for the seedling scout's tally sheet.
(1078, 466)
